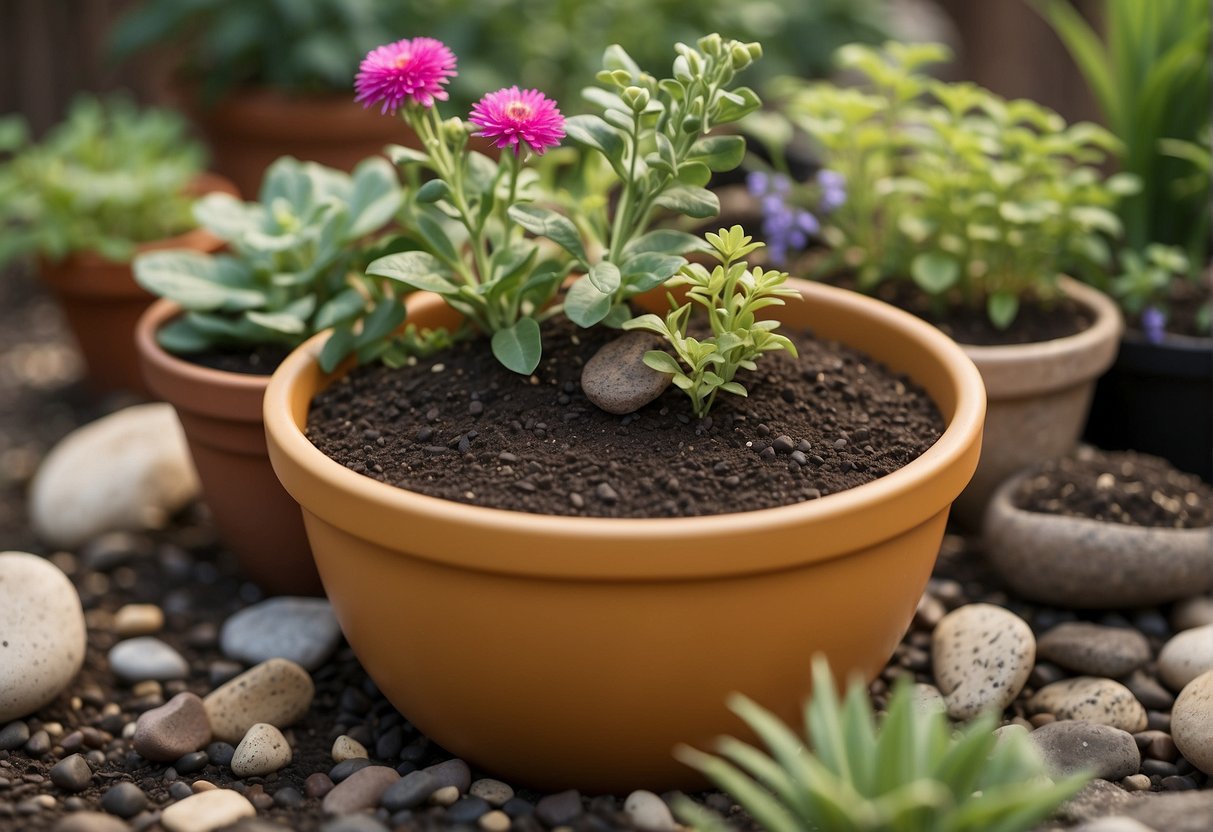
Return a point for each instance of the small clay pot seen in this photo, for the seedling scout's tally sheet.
(248, 129)
(102, 302)
(1158, 399)
(1090, 564)
(221, 415)
(1038, 397)
(594, 645)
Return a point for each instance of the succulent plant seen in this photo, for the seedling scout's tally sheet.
(909, 773)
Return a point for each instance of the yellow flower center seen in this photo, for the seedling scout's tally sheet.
(519, 110)
(403, 60)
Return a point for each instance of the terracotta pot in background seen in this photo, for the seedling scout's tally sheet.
(1076, 562)
(610, 633)
(221, 414)
(1158, 399)
(101, 301)
(1039, 395)
(248, 129)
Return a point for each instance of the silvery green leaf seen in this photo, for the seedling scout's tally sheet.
(584, 305)
(720, 153)
(375, 197)
(227, 217)
(547, 223)
(736, 104)
(192, 279)
(518, 347)
(401, 155)
(384, 318)
(342, 307)
(690, 200)
(432, 191)
(665, 241)
(605, 276)
(435, 236)
(181, 337)
(418, 269)
(662, 362)
(593, 132)
(934, 272)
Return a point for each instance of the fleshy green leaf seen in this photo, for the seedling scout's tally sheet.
(584, 305)
(1002, 307)
(547, 223)
(518, 348)
(690, 200)
(720, 153)
(418, 269)
(605, 276)
(935, 272)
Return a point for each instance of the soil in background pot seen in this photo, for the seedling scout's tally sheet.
(459, 426)
(260, 361)
(1118, 487)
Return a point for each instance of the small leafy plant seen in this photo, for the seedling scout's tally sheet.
(467, 214)
(288, 275)
(108, 177)
(978, 200)
(732, 294)
(909, 773)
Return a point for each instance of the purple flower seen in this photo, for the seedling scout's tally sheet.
(405, 70)
(833, 189)
(517, 117)
(757, 183)
(1153, 320)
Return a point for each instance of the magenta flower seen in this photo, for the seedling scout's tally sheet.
(517, 117)
(415, 69)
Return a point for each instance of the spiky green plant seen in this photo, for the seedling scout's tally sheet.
(909, 774)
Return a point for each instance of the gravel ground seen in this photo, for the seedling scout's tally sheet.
(184, 571)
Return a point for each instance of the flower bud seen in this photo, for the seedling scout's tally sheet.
(636, 97)
(621, 77)
(712, 45)
(755, 50)
(740, 57)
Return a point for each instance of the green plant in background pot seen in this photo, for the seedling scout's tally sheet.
(969, 210)
(1150, 75)
(294, 269)
(910, 772)
(475, 514)
(107, 182)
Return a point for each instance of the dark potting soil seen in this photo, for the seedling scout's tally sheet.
(1037, 320)
(461, 427)
(261, 361)
(1121, 487)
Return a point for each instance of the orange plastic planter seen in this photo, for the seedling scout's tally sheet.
(101, 301)
(221, 415)
(576, 652)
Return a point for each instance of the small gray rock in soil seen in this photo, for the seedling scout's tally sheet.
(72, 773)
(90, 822)
(467, 810)
(14, 735)
(1071, 746)
(345, 768)
(361, 790)
(176, 728)
(1174, 812)
(617, 380)
(1192, 722)
(560, 808)
(1097, 799)
(451, 773)
(124, 799)
(493, 791)
(1149, 692)
(38, 744)
(649, 812)
(140, 659)
(1093, 649)
(303, 630)
(409, 791)
(1186, 656)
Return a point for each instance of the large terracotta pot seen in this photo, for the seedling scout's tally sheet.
(591, 646)
(1158, 399)
(248, 129)
(221, 415)
(1039, 395)
(101, 301)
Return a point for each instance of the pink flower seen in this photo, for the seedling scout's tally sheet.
(415, 69)
(517, 117)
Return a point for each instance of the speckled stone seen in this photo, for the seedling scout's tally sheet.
(42, 634)
(649, 812)
(1192, 722)
(361, 790)
(128, 470)
(1072, 746)
(1093, 649)
(207, 811)
(928, 698)
(493, 792)
(1186, 656)
(277, 692)
(617, 380)
(262, 751)
(347, 748)
(1085, 564)
(1091, 699)
(176, 728)
(983, 655)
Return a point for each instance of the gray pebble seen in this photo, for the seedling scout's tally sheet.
(354, 823)
(303, 630)
(221, 753)
(408, 792)
(361, 790)
(72, 774)
(494, 792)
(180, 790)
(467, 810)
(617, 380)
(14, 735)
(451, 773)
(139, 659)
(192, 763)
(1071, 746)
(90, 822)
(345, 768)
(517, 807)
(124, 799)
(288, 798)
(561, 808)
(38, 744)
(1094, 650)
(1149, 692)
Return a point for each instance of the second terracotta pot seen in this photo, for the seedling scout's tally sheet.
(102, 303)
(1038, 397)
(221, 415)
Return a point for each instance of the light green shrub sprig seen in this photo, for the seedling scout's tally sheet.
(732, 294)
(910, 772)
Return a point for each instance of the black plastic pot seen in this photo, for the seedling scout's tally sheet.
(1158, 399)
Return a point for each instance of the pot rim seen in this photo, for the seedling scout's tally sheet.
(228, 395)
(630, 548)
(1078, 527)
